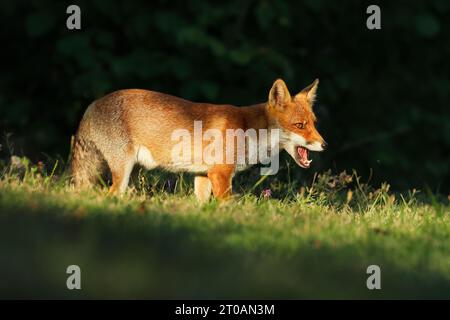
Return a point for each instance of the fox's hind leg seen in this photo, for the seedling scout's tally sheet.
(202, 188)
(120, 172)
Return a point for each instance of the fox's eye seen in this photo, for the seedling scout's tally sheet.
(300, 125)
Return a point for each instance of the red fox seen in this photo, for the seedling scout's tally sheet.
(129, 127)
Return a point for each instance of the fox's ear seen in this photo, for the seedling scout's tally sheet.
(279, 94)
(310, 91)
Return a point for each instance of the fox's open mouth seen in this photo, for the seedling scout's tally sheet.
(302, 157)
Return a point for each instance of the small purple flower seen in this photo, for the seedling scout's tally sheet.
(267, 193)
(40, 166)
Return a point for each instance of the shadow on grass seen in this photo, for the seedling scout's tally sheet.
(161, 256)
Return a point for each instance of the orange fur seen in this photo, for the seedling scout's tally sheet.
(135, 126)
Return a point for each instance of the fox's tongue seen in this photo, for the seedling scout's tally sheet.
(303, 154)
(303, 157)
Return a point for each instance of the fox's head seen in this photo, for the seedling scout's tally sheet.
(295, 119)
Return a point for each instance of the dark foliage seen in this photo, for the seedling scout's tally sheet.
(383, 98)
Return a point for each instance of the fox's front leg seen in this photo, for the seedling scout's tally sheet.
(202, 188)
(220, 177)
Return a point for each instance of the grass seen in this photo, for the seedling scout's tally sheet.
(158, 242)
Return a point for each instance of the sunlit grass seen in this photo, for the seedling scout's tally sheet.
(157, 241)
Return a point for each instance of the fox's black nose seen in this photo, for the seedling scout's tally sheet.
(324, 145)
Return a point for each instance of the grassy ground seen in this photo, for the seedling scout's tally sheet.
(158, 242)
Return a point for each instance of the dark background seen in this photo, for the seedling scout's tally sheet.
(382, 101)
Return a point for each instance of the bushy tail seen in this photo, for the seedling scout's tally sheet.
(87, 162)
